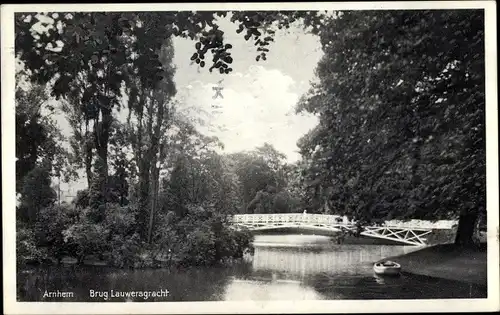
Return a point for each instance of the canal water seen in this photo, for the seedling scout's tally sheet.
(283, 267)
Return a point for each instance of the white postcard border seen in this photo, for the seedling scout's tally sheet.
(11, 306)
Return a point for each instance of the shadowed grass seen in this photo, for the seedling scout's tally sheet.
(447, 261)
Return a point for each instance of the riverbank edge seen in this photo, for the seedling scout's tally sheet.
(140, 263)
(446, 261)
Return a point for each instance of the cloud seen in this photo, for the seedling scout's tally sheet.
(257, 107)
(259, 97)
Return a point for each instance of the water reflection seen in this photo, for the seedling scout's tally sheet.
(324, 257)
(283, 267)
(259, 290)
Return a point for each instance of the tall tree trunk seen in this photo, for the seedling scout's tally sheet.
(156, 152)
(154, 199)
(99, 192)
(143, 164)
(144, 195)
(89, 151)
(102, 139)
(465, 230)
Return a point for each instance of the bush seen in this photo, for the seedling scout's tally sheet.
(82, 199)
(49, 229)
(199, 247)
(88, 237)
(124, 251)
(242, 240)
(36, 194)
(202, 237)
(208, 239)
(26, 250)
(120, 220)
(166, 238)
(125, 243)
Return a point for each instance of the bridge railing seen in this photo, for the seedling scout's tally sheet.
(415, 224)
(287, 218)
(309, 218)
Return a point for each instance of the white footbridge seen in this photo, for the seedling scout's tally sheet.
(411, 232)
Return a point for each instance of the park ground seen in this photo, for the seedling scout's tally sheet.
(447, 261)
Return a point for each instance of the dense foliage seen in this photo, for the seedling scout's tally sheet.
(400, 100)
(158, 190)
(117, 49)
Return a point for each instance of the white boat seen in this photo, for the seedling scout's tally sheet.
(389, 268)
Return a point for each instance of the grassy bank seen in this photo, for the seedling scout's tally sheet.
(447, 261)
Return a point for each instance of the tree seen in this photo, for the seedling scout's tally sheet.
(295, 188)
(276, 161)
(262, 174)
(36, 194)
(49, 229)
(226, 186)
(81, 141)
(118, 182)
(122, 164)
(37, 136)
(177, 189)
(152, 110)
(110, 46)
(401, 107)
(254, 175)
(198, 174)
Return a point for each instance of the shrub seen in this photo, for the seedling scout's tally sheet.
(120, 220)
(36, 194)
(88, 237)
(242, 241)
(206, 238)
(199, 247)
(202, 237)
(125, 243)
(26, 250)
(166, 238)
(49, 229)
(82, 199)
(124, 251)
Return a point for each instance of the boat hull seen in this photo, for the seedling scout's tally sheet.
(387, 270)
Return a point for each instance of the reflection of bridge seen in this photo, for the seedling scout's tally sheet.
(406, 232)
(345, 260)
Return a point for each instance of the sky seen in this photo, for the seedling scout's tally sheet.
(259, 98)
